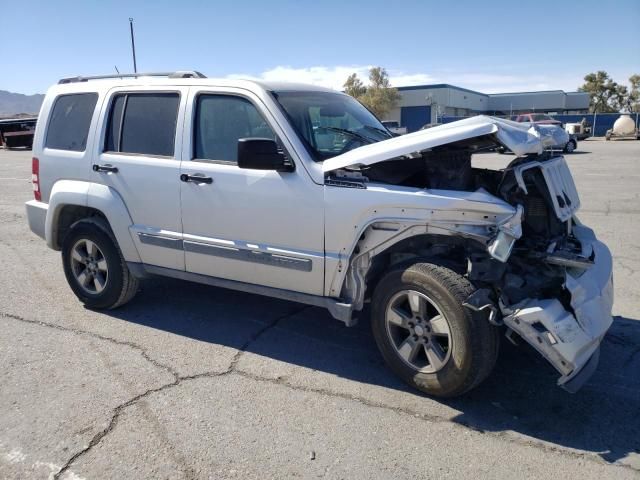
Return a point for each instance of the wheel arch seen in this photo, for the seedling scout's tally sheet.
(72, 200)
(384, 244)
(444, 250)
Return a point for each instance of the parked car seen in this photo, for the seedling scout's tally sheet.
(538, 118)
(235, 184)
(560, 139)
(394, 127)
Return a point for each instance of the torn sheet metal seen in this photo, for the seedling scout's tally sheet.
(569, 340)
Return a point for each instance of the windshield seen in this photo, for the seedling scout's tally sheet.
(540, 118)
(330, 123)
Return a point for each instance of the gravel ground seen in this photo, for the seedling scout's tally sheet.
(189, 381)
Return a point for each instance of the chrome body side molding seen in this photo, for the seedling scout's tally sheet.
(234, 253)
(337, 309)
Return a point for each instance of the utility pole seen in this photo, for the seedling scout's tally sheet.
(133, 46)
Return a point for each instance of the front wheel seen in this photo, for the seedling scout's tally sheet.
(95, 269)
(425, 334)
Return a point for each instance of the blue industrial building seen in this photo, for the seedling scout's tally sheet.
(423, 104)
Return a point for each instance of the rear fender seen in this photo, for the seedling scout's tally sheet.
(99, 197)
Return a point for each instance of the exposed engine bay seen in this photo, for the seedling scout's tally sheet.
(537, 263)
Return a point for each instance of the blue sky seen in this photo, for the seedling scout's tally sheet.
(491, 46)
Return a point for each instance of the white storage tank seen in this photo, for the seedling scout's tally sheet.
(624, 125)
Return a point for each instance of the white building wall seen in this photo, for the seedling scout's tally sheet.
(416, 98)
(534, 101)
(393, 115)
(446, 100)
(467, 100)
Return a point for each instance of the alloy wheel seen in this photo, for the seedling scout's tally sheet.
(89, 266)
(419, 332)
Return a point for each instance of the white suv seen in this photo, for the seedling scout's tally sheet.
(300, 193)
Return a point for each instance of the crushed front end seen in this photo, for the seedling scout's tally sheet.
(551, 277)
(513, 232)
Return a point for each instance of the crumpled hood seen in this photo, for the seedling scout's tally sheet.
(558, 134)
(521, 138)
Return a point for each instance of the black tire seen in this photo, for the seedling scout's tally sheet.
(475, 342)
(571, 146)
(120, 286)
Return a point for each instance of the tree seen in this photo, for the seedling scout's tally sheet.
(605, 94)
(379, 96)
(354, 86)
(634, 93)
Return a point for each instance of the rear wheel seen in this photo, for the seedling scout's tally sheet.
(95, 269)
(425, 334)
(570, 146)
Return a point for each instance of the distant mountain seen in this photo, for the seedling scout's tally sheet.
(16, 103)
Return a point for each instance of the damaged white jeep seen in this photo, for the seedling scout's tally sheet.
(300, 193)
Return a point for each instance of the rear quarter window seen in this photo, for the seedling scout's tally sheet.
(143, 123)
(70, 120)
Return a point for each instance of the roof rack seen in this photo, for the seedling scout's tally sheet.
(178, 74)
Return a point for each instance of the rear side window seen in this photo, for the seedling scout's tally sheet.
(143, 123)
(70, 120)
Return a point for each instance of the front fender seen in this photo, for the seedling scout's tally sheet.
(92, 195)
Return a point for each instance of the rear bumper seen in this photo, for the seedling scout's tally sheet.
(37, 216)
(570, 341)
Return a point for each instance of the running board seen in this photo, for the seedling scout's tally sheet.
(338, 310)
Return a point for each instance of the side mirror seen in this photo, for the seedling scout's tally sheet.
(261, 154)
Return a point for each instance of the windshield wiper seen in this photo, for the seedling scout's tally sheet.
(386, 133)
(350, 133)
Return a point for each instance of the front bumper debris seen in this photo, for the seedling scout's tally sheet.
(570, 341)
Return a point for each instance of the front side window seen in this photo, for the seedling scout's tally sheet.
(220, 121)
(143, 123)
(70, 120)
(330, 123)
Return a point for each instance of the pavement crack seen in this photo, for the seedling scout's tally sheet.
(177, 379)
(503, 435)
(97, 336)
(232, 370)
(117, 412)
(256, 335)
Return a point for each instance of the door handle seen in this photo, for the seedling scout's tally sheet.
(196, 178)
(107, 167)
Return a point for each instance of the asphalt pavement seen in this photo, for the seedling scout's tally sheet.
(190, 381)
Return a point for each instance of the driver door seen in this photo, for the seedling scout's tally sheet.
(253, 226)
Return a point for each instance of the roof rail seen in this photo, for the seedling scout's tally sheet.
(178, 74)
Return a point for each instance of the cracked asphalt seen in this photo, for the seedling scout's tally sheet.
(189, 381)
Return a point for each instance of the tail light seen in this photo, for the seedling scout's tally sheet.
(35, 178)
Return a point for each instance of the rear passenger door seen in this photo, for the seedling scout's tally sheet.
(139, 157)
